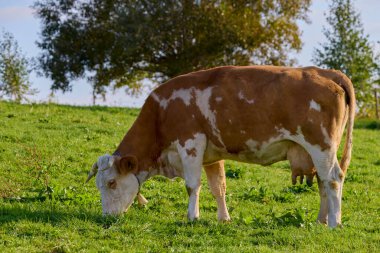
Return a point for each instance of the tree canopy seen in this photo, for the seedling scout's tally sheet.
(120, 42)
(347, 48)
(14, 70)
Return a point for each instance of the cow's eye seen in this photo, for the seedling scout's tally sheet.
(112, 184)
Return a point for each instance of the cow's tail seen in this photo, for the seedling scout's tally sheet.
(346, 84)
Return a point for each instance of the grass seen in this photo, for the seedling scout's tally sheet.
(47, 150)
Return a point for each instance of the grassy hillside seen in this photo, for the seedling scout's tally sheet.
(47, 150)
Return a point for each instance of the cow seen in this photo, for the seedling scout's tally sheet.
(252, 114)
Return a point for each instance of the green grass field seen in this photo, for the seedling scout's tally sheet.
(47, 150)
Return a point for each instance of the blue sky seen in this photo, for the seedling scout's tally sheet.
(17, 17)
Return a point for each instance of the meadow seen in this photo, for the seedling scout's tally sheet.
(46, 151)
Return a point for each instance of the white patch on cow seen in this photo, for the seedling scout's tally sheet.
(183, 94)
(269, 142)
(190, 161)
(170, 162)
(252, 145)
(116, 200)
(155, 97)
(323, 160)
(230, 121)
(192, 168)
(315, 106)
(203, 103)
(264, 153)
(242, 131)
(175, 160)
(193, 116)
(218, 99)
(242, 97)
(326, 135)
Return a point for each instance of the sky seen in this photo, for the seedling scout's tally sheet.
(17, 17)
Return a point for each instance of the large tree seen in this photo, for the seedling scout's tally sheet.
(347, 48)
(120, 42)
(14, 70)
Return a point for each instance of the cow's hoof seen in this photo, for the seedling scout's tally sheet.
(192, 219)
(322, 223)
(141, 200)
(337, 226)
(224, 218)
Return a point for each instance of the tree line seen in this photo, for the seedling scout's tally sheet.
(121, 43)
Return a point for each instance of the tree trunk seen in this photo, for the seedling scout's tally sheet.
(376, 104)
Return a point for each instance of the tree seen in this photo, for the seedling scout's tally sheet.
(118, 43)
(348, 49)
(14, 72)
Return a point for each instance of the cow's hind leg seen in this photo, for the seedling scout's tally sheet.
(217, 181)
(331, 183)
(323, 210)
(192, 159)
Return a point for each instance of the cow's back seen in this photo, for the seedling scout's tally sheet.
(233, 105)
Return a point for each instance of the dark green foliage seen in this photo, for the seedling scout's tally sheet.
(299, 217)
(121, 42)
(348, 49)
(233, 172)
(368, 124)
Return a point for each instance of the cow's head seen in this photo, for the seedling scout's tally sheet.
(116, 181)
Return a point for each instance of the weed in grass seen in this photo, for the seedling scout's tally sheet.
(284, 197)
(299, 217)
(260, 194)
(233, 172)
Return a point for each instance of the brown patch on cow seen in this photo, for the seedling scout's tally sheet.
(334, 185)
(191, 152)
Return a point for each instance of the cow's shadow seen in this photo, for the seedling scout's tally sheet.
(51, 215)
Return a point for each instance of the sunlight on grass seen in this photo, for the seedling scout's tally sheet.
(47, 150)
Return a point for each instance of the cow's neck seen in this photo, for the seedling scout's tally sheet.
(141, 140)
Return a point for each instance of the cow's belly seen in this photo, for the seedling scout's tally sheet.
(171, 163)
(264, 155)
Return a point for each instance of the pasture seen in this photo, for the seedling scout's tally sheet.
(46, 152)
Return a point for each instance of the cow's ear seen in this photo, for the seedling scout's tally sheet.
(126, 164)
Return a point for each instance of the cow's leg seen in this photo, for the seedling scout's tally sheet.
(323, 210)
(192, 159)
(331, 177)
(334, 195)
(217, 181)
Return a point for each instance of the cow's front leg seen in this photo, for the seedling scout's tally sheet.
(217, 181)
(193, 192)
(191, 154)
(192, 173)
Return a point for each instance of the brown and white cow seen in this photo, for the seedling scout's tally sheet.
(255, 114)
